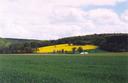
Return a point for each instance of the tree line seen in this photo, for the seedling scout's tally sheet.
(107, 42)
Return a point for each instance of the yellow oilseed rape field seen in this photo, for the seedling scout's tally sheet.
(65, 47)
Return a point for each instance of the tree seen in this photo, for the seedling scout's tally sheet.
(115, 44)
(74, 50)
(80, 49)
(62, 51)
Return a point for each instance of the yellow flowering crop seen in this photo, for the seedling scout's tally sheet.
(65, 47)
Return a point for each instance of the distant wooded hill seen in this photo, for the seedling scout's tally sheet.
(107, 42)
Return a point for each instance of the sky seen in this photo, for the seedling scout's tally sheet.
(53, 19)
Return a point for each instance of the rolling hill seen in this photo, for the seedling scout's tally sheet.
(108, 42)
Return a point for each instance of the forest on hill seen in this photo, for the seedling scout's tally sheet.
(106, 42)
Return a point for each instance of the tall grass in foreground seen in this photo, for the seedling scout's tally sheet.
(108, 68)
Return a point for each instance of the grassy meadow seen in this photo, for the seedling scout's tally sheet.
(93, 68)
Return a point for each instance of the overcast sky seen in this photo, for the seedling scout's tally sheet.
(52, 19)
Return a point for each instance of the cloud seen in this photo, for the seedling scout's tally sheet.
(125, 16)
(99, 20)
(84, 2)
(52, 19)
(104, 16)
(104, 2)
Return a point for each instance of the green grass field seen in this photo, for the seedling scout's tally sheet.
(95, 68)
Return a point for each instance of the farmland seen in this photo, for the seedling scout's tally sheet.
(35, 68)
(64, 47)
